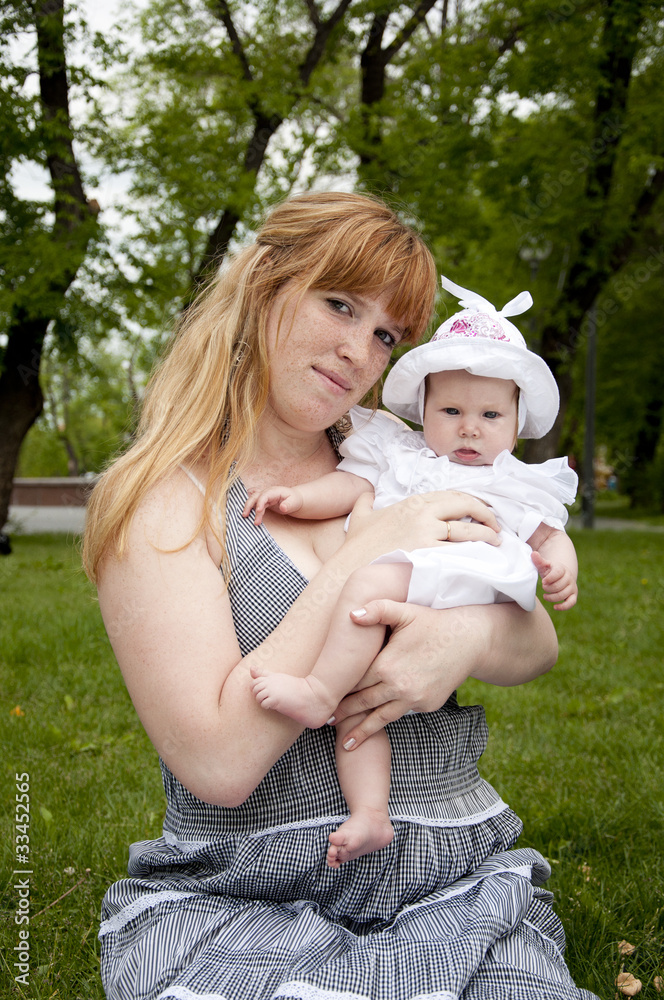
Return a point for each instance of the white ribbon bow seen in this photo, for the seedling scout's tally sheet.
(471, 300)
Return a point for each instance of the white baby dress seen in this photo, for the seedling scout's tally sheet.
(398, 463)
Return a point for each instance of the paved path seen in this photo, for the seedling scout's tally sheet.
(615, 524)
(35, 520)
(70, 520)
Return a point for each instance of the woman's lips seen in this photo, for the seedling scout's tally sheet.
(337, 383)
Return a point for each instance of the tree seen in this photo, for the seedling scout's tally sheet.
(212, 90)
(235, 105)
(90, 396)
(43, 246)
(605, 237)
(529, 138)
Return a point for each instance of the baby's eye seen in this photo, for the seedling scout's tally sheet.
(388, 339)
(491, 414)
(452, 410)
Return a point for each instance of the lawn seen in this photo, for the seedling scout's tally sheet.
(579, 754)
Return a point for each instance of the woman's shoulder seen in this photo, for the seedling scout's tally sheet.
(170, 517)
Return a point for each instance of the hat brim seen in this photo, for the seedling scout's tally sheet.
(403, 392)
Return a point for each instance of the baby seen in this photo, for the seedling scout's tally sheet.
(475, 388)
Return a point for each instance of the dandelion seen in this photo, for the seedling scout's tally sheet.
(17, 711)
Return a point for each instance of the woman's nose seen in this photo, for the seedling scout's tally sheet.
(357, 348)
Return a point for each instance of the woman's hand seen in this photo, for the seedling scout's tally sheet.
(432, 652)
(422, 521)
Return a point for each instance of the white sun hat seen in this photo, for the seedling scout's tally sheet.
(481, 341)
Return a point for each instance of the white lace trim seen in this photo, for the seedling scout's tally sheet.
(302, 824)
(304, 991)
(436, 996)
(311, 824)
(133, 909)
(473, 820)
(525, 871)
(545, 937)
(186, 845)
(184, 993)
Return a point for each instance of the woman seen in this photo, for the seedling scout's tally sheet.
(236, 900)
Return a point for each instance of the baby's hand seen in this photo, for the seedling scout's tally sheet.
(282, 498)
(558, 583)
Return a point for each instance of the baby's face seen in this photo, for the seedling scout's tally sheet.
(469, 418)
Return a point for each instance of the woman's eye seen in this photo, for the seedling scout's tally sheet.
(388, 339)
(338, 305)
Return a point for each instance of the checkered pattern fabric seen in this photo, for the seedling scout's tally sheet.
(239, 904)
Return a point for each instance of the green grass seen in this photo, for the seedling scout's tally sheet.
(579, 754)
(94, 782)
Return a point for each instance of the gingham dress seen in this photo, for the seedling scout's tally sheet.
(239, 904)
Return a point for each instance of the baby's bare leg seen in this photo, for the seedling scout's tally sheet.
(364, 776)
(346, 656)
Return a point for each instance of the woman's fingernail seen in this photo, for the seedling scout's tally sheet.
(360, 613)
(349, 744)
(330, 721)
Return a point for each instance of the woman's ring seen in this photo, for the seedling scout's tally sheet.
(449, 531)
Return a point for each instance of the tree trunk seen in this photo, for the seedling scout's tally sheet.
(217, 245)
(21, 397)
(373, 70)
(596, 259)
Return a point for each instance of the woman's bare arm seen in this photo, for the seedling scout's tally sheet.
(169, 620)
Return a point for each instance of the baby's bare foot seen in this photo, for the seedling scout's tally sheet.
(295, 697)
(367, 830)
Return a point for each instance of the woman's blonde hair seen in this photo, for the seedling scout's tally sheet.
(204, 400)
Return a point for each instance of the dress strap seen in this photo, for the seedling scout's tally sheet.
(193, 478)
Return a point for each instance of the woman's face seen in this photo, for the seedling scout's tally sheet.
(329, 349)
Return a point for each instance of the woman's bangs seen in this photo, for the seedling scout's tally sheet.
(406, 271)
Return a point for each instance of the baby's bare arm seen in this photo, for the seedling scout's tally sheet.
(555, 558)
(330, 496)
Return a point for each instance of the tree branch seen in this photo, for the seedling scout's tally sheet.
(312, 9)
(265, 124)
(323, 31)
(413, 23)
(224, 14)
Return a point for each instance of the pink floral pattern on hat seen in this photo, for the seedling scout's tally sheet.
(474, 324)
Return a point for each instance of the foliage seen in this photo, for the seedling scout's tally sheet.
(90, 403)
(483, 126)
